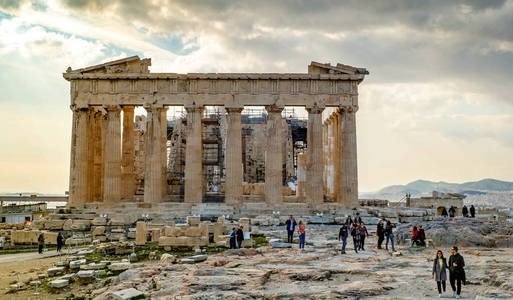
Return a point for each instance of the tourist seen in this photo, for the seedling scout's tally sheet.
(389, 234)
(41, 242)
(302, 235)
(456, 271)
(464, 211)
(355, 233)
(291, 226)
(349, 222)
(357, 219)
(380, 231)
(422, 236)
(233, 236)
(472, 211)
(240, 237)
(452, 211)
(363, 234)
(440, 272)
(444, 212)
(343, 235)
(414, 236)
(60, 242)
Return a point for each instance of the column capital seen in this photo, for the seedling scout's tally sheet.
(152, 106)
(233, 109)
(128, 107)
(193, 109)
(274, 108)
(315, 109)
(77, 108)
(348, 109)
(112, 108)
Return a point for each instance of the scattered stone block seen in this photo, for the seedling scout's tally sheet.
(93, 266)
(127, 294)
(119, 266)
(59, 283)
(167, 258)
(55, 271)
(35, 282)
(193, 220)
(141, 233)
(99, 221)
(77, 263)
(99, 230)
(277, 243)
(86, 274)
(54, 224)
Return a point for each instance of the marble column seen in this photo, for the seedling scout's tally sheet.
(163, 129)
(99, 152)
(274, 156)
(112, 173)
(153, 156)
(336, 155)
(90, 153)
(301, 177)
(314, 165)
(194, 179)
(78, 168)
(348, 162)
(233, 154)
(128, 155)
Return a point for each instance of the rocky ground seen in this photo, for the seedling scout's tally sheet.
(319, 272)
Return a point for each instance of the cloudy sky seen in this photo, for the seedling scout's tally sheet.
(437, 105)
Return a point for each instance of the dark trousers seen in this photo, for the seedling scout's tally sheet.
(59, 247)
(440, 284)
(356, 243)
(362, 243)
(381, 238)
(239, 243)
(455, 282)
(40, 250)
(290, 236)
(232, 243)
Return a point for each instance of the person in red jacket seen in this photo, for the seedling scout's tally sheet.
(414, 236)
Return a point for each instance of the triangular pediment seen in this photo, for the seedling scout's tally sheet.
(132, 64)
(327, 68)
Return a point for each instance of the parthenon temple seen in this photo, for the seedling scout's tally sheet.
(234, 141)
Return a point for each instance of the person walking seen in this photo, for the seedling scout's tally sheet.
(357, 219)
(233, 236)
(355, 233)
(291, 226)
(302, 235)
(41, 243)
(456, 271)
(414, 236)
(342, 235)
(349, 222)
(380, 232)
(444, 212)
(389, 234)
(422, 236)
(440, 273)
(452, 211)
(363, 233)
(60, 242)
(464, 211)
(240, 236)
(472, 211)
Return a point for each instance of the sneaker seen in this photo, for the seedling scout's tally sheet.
(458, 297)
(440, 295)
(454, 294)
(445, 294)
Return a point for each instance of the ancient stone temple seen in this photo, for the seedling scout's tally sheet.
(114, 157)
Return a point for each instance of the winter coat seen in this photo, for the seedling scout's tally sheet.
(355, 232)
(240, 235)
(389, 228)
(342, 234)
(293, 225)
(458, 271)
(380, 229)
(440, 273)
(363, 231)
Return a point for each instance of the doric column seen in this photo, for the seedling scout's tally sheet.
(194, 179)
(337, 140)
(233, 181)
(90, 153)
(112, 181)
(314, 165)
(99, 152)
(78, 166)
(163, 129)
(348, 163)
(274, 155)
(153, 159)
(128, 155)
(301, 177)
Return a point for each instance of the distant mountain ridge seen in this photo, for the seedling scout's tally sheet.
(426, 186)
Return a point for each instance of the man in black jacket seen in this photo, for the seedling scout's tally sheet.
(342, 235)
(472, 211)
(380, 231)
(240, 236)
(291, 226)
(456, 271)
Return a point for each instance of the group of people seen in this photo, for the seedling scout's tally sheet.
(456, 272)
(418, 236)
(358, 231)
(464, 212)
(291, 227)
(41, 243)
(236, 237)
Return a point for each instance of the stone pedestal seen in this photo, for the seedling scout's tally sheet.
(274, 156)
(78, 170)
(153, 160)
(128, 154)
(314, 166)
(348, 163)
(112, 181)
(233, 154)
(194, 178)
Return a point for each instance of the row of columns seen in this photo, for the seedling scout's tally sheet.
(102, 161)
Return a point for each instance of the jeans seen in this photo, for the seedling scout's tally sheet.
(290, 236)
(439, 285)
(239, 243)
(302, 237)
(455, 282)
(391, 238)
(362, 242)
(344, 243)
(356, 243)
(232, 243)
